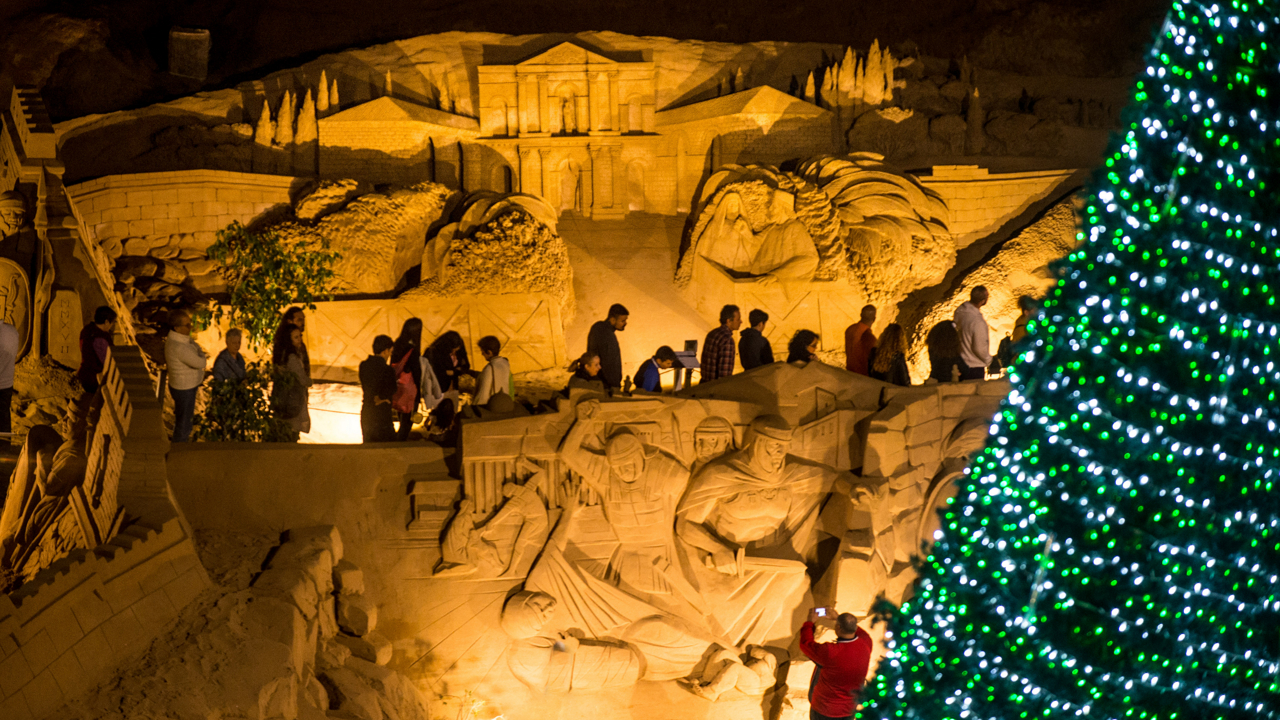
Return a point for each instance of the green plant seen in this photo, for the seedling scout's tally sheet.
(244, 411)
(264, 274)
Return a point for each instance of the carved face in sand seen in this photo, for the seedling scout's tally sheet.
(526, 613)
(769, 454)
(710, 445)
(712, 438)
(732, 206)
(13, 210)
(626, 457)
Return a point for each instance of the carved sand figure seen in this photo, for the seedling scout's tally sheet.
(39, 524)
(505, 544)
(782, 249)
(712, 438)
(725, 670)
(585, 605)
(639, 486)
(557, 662)
(851, 216)
(747, 523)
(13, 212)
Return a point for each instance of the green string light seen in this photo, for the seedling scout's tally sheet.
(1114, 552)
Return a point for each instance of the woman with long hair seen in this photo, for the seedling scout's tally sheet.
(448, 358)
(297, 317)
(803, 347)
(888, 360)
(291, 378)
(405, 356)
(943, 346)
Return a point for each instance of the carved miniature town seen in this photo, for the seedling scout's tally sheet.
(606, 557)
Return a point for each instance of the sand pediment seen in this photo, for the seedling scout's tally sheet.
(567, 53)
(757, 102)
(391, 109)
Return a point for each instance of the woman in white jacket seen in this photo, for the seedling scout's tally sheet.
(496, 376)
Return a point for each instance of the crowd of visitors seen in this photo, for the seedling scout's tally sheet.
(958, 349)
(404, 382)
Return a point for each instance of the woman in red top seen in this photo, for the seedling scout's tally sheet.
(841, 666)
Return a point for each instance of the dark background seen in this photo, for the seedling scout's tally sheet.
(98, 57)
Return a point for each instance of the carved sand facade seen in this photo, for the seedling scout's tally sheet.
(384, 150)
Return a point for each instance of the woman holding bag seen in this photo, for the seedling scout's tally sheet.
(406, 363)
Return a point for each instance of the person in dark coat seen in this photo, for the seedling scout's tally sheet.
(754, 349)
(888, 360)
(378, 381)
(95, 341)
(229, 365)
(448, 360)
(943, 345)
(406, 353)
(602, 341)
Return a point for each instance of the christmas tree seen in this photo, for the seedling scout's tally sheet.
(1115, 550)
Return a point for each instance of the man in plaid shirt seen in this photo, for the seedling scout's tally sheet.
(717, 350)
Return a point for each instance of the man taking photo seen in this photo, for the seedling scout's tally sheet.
(841, 666)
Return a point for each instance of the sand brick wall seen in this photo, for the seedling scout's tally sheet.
(981, 202)
(191, 202)
(76, 622)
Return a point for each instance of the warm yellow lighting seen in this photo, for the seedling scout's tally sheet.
(335, 414)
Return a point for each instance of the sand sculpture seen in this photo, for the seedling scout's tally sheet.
(686, 529)
(62, 493)
(18, 241)
(852, 218)
(496, 243)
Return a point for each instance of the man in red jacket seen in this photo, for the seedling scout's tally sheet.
(841, 666)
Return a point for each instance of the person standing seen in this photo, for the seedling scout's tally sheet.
(586, 375)
(888, 360)
(378, 384)
(717, 350)
(975, 337)
(803, 347)
(405, 356)
(292, 377)
(1029, 309)
(602, 341)
(297, 317)
(943, 344)
(496, 376)
(649, 375)
(9, 342)
(95, 343)
(185, 361)
(229, 365)
(858, 342)
(753, 349)
(840, 667)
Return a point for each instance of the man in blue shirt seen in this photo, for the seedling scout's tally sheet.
(649, 374)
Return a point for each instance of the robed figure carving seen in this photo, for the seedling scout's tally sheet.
(747, 522)
(783, 250)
